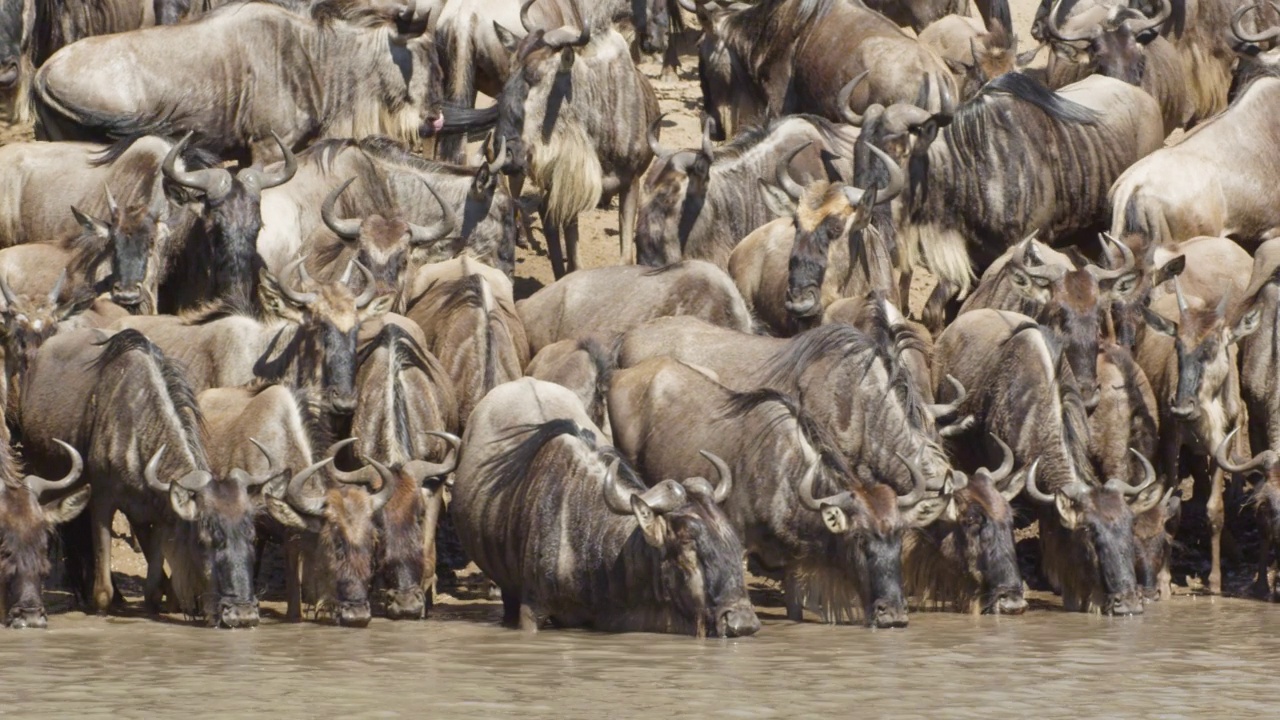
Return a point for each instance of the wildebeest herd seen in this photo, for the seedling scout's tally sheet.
(241, 308)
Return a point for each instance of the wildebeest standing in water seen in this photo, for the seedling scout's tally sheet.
(567, 532)
(345, 69)
(1023, 391)
(664, 412)
(129, 410)
(776, 58)
(575, 114)
(25, 526)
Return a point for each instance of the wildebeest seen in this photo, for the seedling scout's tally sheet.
(663, 411)
(345, 69)
(469, 321)
(575, 112)
(1063, 150)
(152, 467)
(568, 533)
(390, 181)
(605, 302)
(698, 204)
(775, 58)
(1266, 500)
(405, 405)
(1021, 390)
(876, 315)
(585, 366)
(974, 52)
(25, 526)
(1160, 202)
(1124, 44)
(790, 269)
(1191, 362)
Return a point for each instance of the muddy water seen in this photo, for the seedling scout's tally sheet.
(1182, 659)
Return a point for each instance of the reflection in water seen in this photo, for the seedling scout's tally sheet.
(1188, 655)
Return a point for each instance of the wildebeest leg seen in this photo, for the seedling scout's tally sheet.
(528, 617)
(292, 580)
(515, 184)
(100, 517)
(1214, 509)
(510, 608)
(555, 250)
(791, 596)
(628, 207)
(904, 292)
(1262, 584)
(149, 539)
(571, 245)
(670, 62)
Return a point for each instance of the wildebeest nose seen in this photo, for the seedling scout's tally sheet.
(889, 616)
(344, 404)
(1011, 602)
(28, 618)
(1182, 411)
(407, 606)
(356, 616)
(1127, 604)
(239, 615)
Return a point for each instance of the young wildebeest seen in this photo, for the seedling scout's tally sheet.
(698, 204)
(790, 269)
(405, 405)
(130, 412)
(1190, 360)
(343, 69)
(606, 302)
(1022, 391)
(974, 54)
(390, 181)
(575, 112)
(25, 525)
(569, 533)
(1063, 150)
(665, 412)
(584, 366)
(306, 338)
(469, 321)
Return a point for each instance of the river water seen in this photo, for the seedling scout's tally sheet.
(1184, 658)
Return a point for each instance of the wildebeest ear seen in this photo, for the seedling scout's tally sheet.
(1172, 514)
(652, 524)
(776, 199)
(508, 39)
(76, 305)
(183, 502)
(1160, 323)
(483, 185)
(1169, 270)
(1030, 285)
(1124, 285)
(377, 307)
(274, 301)
(1147, 36)
(91, 224)
(287, 516)
(68, 508)
(1247, 325)
(925, 512)
(836, 519)
(1069, 513)
(1012, 485)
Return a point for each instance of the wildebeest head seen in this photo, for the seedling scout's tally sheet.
(25, 525)
(1257, 52)
(975, 533)
(1154, 530)
(1100, 524)
(1128, 299)
(1072, 303)
(388, 246)
(219, 515)
(902, 130)
(30, 320)
(128, 240)
(824, 213)
(541, 58)
(232, 217)
(676, 188)
(1202, 342)
(697, 554)
(652, 21)
(329, 319)
(1114, 36)
(407, 526)
(338, 518)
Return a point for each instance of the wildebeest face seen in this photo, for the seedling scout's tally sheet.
(1100, 524)
(826, 214)
(652, 23)
(419, 65)
(868, 531)
(981, 523)
(225, 529)
(128, 239)
(1154, 529)
(25, 525)
(675, 190)
(407, 559)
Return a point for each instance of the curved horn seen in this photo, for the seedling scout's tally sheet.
(618, 499)
(1242, 34)
(9, 296)
(343, 228)
(438, 230)
(299, 297)
(918, 484)
(1183, 308)
(687, 6)
(805, 490)
(842, 100)
(150, 472)
(1265, 459)
(1148, 477)
(215, 183)
(306, 504)
(40, 485)
(1126, 266)
(499, 156)
(57, 286)
(943, 411)
(422, 469)
(524, 15)
(897, 179)
(665, 496)
(563, 36)
(1034, 490)
(1162, 14)
(247, 480)
(655, 146)
(1055, 30)
(390, 479)
(708, 149)
(370, 286)
(1006, 462)
(724, 476)
(354, 477)
(783, 172)
(284, 174)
